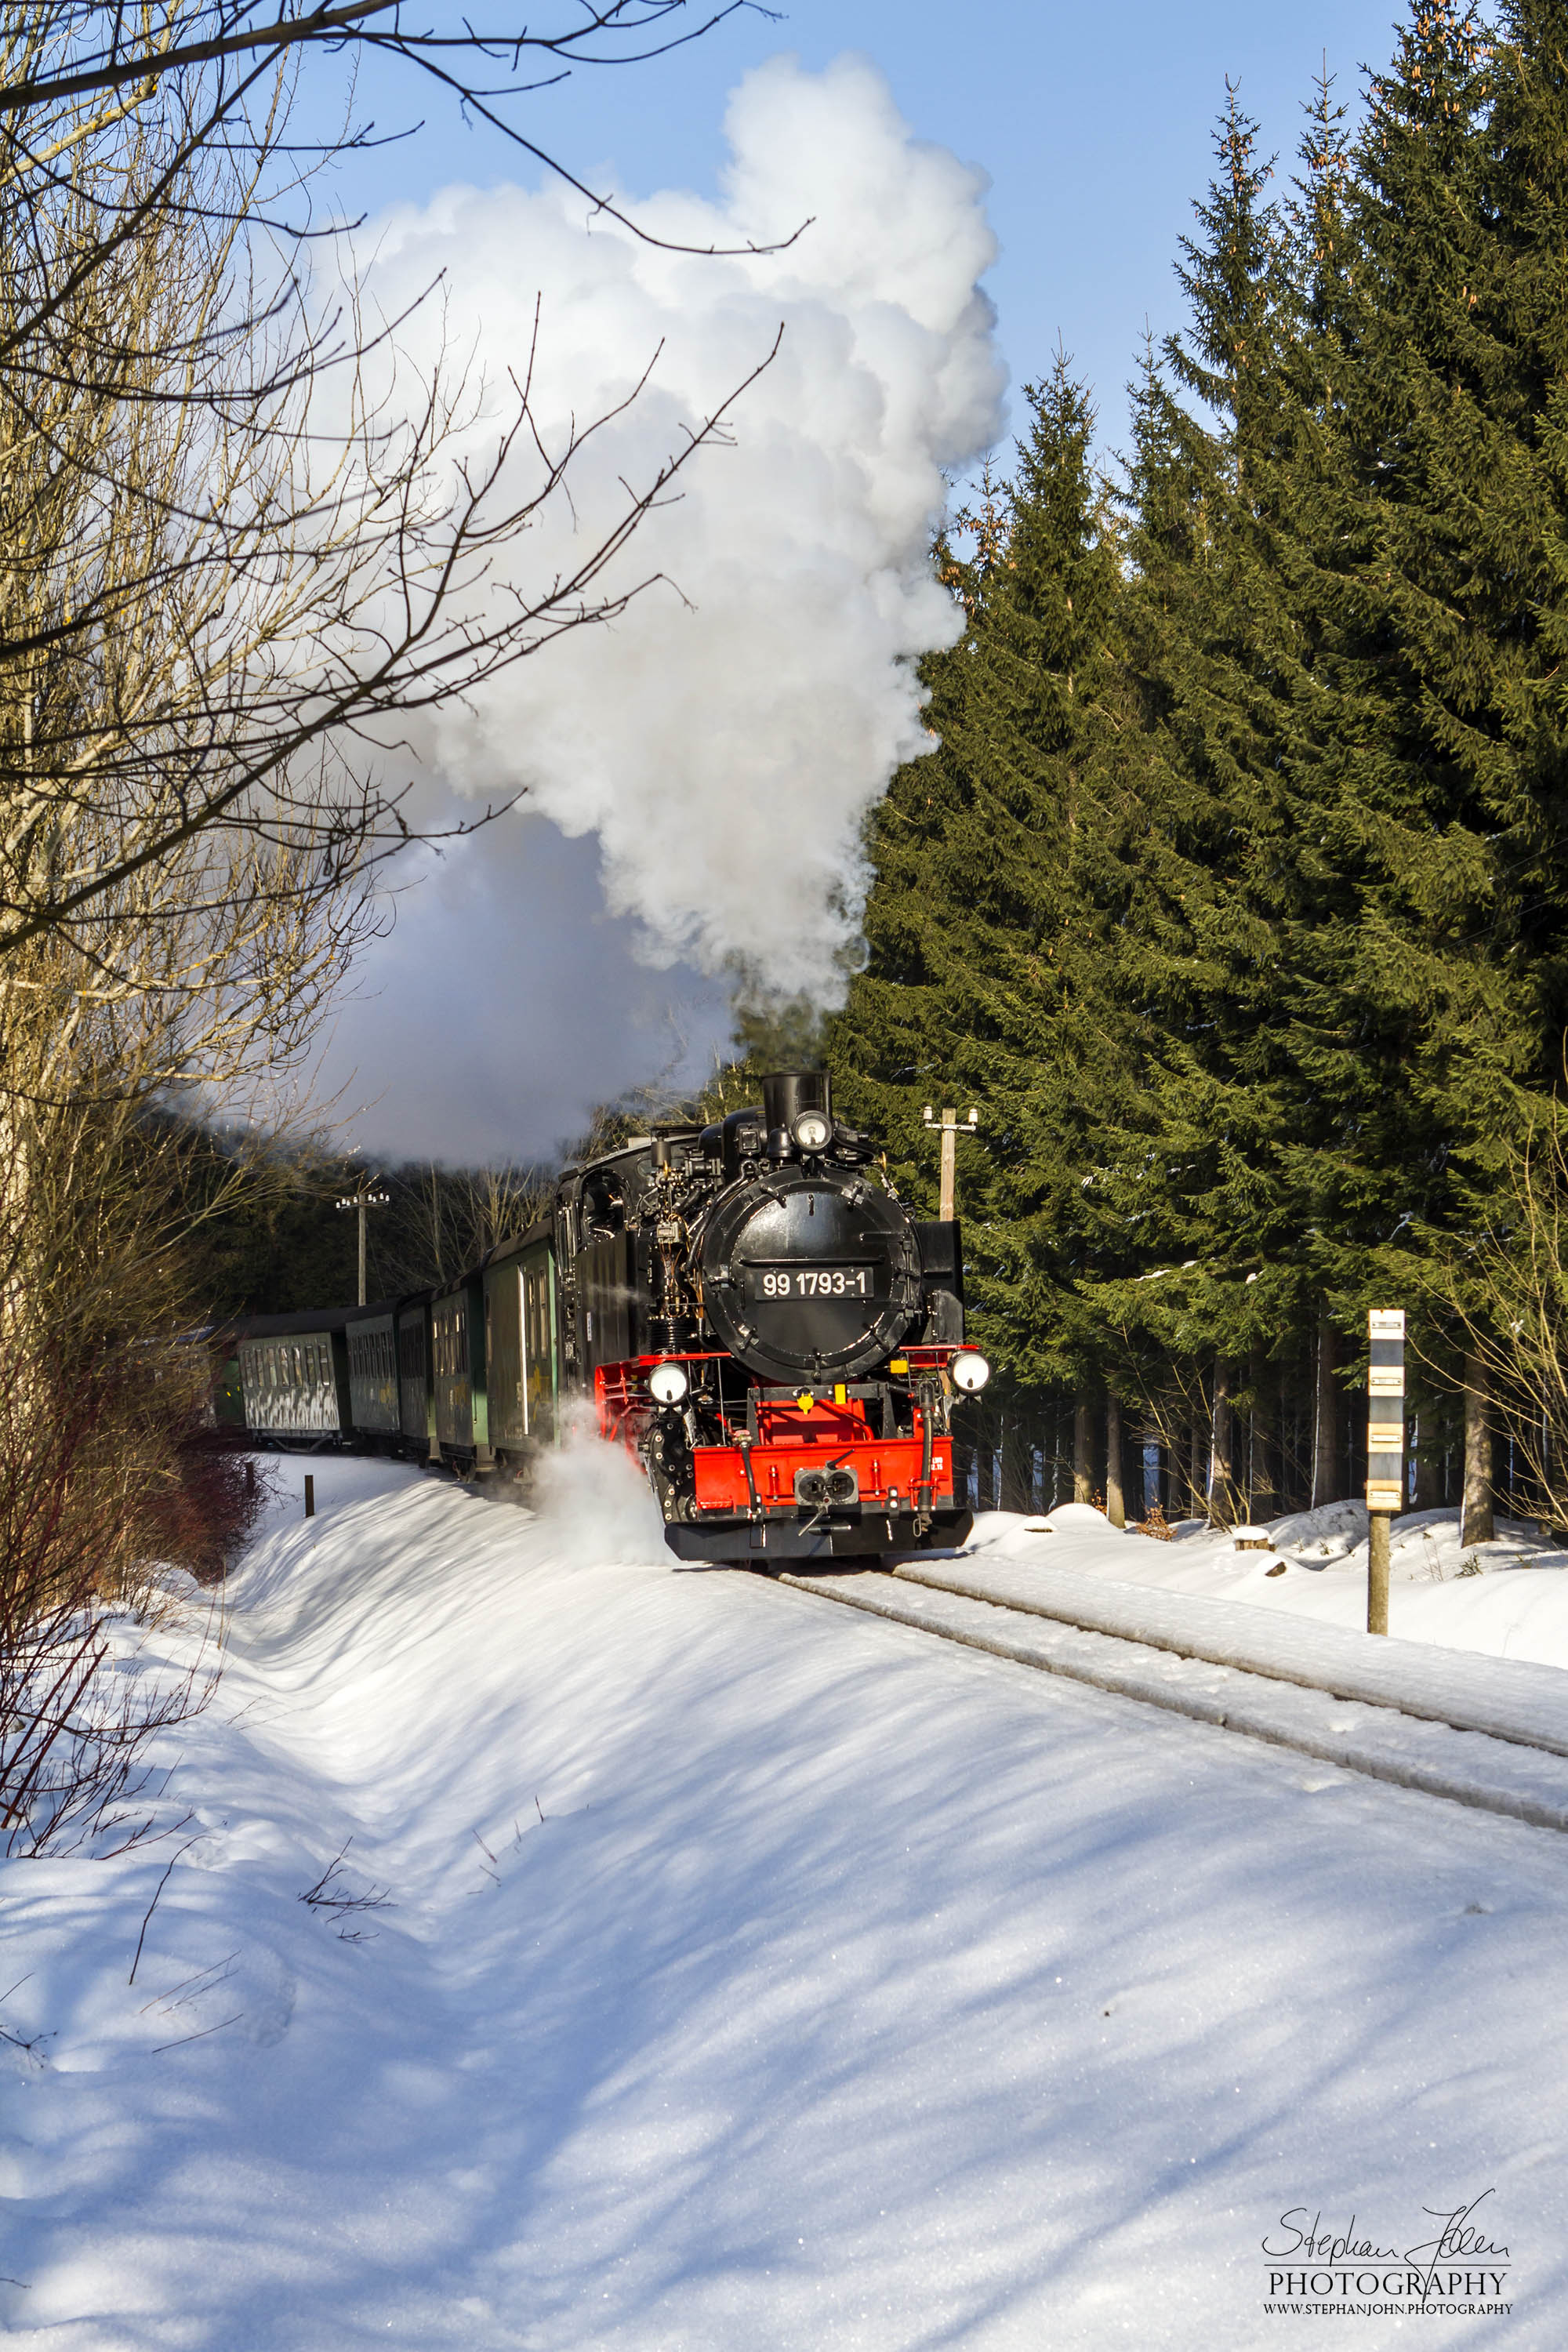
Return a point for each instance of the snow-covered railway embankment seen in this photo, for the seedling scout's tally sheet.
(1486, 1732)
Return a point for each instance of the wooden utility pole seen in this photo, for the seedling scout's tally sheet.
(362, 1200)
(1384, 1452)
(949, 1126)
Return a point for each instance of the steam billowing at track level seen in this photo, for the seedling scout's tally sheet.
(712, 754)
(750, 1306)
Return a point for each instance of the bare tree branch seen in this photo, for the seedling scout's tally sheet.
(189, 35)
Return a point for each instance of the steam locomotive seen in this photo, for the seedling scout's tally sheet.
(749, 1306)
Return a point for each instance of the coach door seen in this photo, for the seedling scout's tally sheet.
(538, 1348)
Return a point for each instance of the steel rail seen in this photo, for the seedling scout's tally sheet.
(1110, 1661)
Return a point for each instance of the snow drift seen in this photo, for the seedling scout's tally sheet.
(750, 1974)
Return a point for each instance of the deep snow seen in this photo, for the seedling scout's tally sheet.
(754, 1975)
(1499, 1597)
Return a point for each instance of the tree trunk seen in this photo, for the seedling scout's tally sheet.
(1429, 1461)
(1222, 1487)
(1017, 1482)
(1326, 1420)
(1307, 1422)
(1476, 1521)
(1297, 1482)
(1260, 1488)
(985, 1455)
(1198, 1467)
(1082, 1450)
(1115, 1505)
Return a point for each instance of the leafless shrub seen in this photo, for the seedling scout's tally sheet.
(332, 1895)
(31, 2045)
(1507, 1293)
(450, 1218)
(75, 1774)
(106, 1479)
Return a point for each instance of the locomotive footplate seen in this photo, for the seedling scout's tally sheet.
(785, 1542)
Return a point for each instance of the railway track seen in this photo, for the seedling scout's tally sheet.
(1495, 1750)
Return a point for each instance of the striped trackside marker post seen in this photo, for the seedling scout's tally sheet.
(1384, 1452)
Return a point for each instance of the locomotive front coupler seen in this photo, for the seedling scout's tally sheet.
(743, 1444)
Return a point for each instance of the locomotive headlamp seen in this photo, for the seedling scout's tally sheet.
(970, 1370)
(668, 1383)
(812, 1130)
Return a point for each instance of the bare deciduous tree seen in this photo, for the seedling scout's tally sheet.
(488, 62)
(1506, 1296)
(259, 587)
(229, 569)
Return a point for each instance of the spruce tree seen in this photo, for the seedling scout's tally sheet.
(998, 870)
(1201, 1174)
(1429, 960)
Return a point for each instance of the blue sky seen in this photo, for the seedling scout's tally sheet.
(1094, 123)
(1095, 128)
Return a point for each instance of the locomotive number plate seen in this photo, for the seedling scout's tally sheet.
(795, 1282)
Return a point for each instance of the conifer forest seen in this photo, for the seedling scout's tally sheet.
(1234, 893)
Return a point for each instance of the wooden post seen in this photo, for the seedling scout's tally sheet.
(1385, 1451)
(1377, 1572)
(309, 1496)
(1115, 1502)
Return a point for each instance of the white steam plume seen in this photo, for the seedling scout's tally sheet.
(723, 742)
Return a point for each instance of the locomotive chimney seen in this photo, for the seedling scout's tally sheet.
(789, 1092)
